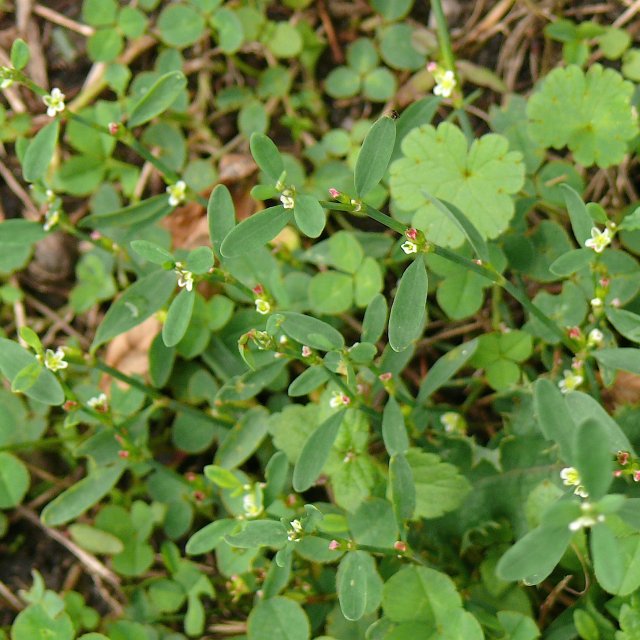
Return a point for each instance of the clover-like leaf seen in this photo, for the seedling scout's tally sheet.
(478, 180)
(588, 112)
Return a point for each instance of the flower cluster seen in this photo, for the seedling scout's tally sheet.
(571, 478)
(177, 193)
(54, 102)
(185, 278)
(445, 80)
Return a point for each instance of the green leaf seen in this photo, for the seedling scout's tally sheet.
(581, 221)
(280, 618)
(267, 156)
(243, 439)
(608, 561)
(330, 292)
(178, 318)
(309, 216)
(259, 533)
(625, 322)
(535, 555)
(375, 317)
(445, 368)
(199, 260)
(464, 224)
(152, 252)
(593, 458)
(14, 481)
(568, 110)
(19, 54)
(13, 359)
(308, 381)
(36, 620)
(571, 262)
(209, 537)
(18, 231)
(626, 359)
(255, 231)
(180, 25)
(144, 212)
(221, 215)
(315, 452)
(478, 180)
(351, 584)
(229, 27)
(394, 431)
(82, 495)
(408, 309)
(95, 540)
(416, 114)
(374, 156)
(553, 417)
(135, 305)
(40, 151)
(439, 486)
(160, 96)
(26, 377)
(403, 489)
(311, 332)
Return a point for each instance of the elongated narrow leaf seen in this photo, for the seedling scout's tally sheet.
(625, 322)
(535, 556)
(374, 156)
(570, 262)
(178, 318)
(445, 368)
(553, 417)
(351, 584)
(135, 305)
(608, 558)
(158, 98)
(255, 231)
(464, 224)
(409, 306)
(315, 452)
(13, 359)
(394, 431)
(245, 438)
(259, 533)
(145, 212)
(309, 216)
(626, 358)
(152, 252)
(82, 495)
(267, 156)
(581, 221)
(375, 317)
(40, 151)
(593, 457)
(403, 488)
(308, 381)
(209, 537)
(221, 216)
(311, 332)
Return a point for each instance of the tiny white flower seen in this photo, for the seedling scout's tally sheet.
(571, 381)
(357, 204)
(177, 193)
(598, 240)
(51, 219)
(293, 535)
(55, 361)
(5, 83)
(98, 403)
(453, 422)
(338, 400)
(409, 247)
(596, 303)
(286, 198)
(585, 521)
(262, 306)
(54, 102)
(445, 83)
(595, 337)
(306, 351)
(185, 278)
(571, 478)
(250, 505)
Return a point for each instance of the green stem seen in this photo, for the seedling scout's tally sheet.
(444, 40)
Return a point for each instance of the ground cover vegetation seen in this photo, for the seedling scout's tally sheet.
(319, 320)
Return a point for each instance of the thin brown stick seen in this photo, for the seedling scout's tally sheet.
(30, 210)
(8, 596)
(336, 50)
(62, 20)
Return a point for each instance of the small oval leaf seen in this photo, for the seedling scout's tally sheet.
(255, 231)
(178, 318)
(374, 156)
(161, 95)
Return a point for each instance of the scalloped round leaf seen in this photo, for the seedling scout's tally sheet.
(478, 180)
(569, 110)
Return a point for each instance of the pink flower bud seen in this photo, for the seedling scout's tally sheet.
(605, 282)
(334, 193)
(400, 546)
(411, 233)
(617, 473)
(306, 351)
(636, 476)
(623, 457)
(95, 235)
(385, 377)
(114, 127)
(432, 66)
(258, 290)
(575, 333)
(123, 453)
(333, 545)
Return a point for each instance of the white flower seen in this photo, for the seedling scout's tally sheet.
(571, 478)
(409, 247)
(99, 403)
(55, 361)
(453, 422)
(55, 102)
(5, 83)
(250, 505)
(177, 193)
(596, 303)
(51, 219)
(286, 198)
(293, 535)
(306, 351)
(598, 240)
(185, 278)
(339, 400)
(585, 521)
(262, 306)
(571, 381)
(595, 337)
(445, 82)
